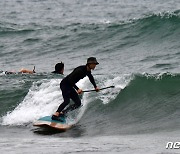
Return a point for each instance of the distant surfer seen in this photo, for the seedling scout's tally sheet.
(71, 91)
(26, 71)
(59, 68)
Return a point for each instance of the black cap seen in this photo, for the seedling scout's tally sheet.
(92, 60)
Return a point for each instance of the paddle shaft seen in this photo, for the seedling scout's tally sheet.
(99, 89)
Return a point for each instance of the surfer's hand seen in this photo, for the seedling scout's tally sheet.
(79, 91)
(97, 89)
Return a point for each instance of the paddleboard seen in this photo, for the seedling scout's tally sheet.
(48, 122)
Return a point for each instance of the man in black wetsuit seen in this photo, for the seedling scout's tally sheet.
(71, 91)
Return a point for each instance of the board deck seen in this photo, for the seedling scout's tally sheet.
(48, 122)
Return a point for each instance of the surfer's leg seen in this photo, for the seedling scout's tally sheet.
(59, 112)
(66, 97)
(74, 96)
(66, 90)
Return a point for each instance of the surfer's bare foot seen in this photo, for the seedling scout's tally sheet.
(56, 114)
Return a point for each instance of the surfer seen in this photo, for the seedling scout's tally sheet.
(59, 68)
(71, 91)
(21, 71)
(27, 71)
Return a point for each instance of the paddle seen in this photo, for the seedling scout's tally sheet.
(34, 69)
(99, 89)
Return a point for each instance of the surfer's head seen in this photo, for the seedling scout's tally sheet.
(59, 68)
(91, 63)
(92, 60)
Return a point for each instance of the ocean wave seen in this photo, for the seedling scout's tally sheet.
(148, 28)
(149, 103)
(138, 103)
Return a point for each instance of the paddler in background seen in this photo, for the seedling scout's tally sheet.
(59, 68)
(26, 71)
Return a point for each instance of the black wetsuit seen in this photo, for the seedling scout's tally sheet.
(68, 86)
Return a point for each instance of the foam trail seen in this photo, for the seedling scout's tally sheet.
(42, 99)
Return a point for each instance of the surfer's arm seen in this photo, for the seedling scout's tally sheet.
(75, 87)
(91, 78)
(79, 91)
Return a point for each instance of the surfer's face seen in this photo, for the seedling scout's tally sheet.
(92, 66)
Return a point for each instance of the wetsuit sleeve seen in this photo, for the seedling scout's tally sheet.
(91, 78)
(76, 87)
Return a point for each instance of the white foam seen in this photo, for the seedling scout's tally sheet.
(43, 99)
(45, 96)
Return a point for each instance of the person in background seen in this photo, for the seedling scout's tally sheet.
(71, 91)
(27, 71)
(59, 68)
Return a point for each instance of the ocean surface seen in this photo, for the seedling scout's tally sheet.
(137, 45)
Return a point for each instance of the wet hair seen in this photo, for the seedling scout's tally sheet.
(58, 67)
